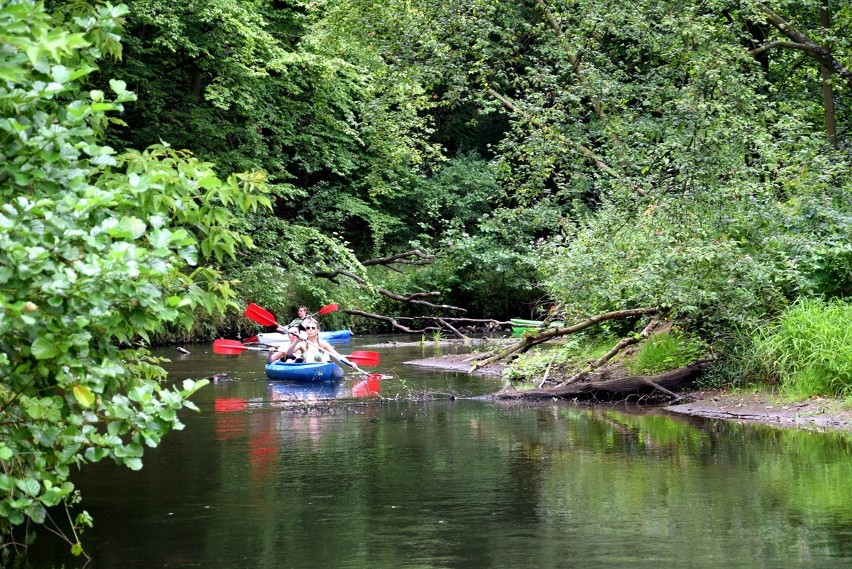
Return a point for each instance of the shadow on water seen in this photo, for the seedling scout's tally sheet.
(258, 479)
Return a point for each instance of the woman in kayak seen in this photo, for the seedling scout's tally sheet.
(320, 350)
(292, 351)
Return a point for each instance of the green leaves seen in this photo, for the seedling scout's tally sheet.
(100, 249)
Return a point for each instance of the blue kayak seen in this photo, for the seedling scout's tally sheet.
(308, 371)
(273, 338)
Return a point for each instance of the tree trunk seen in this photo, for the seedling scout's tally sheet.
(619, 388)
(827, 90)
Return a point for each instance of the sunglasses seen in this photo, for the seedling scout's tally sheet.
(311, 328)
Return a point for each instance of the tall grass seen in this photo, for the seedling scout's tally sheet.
(666, 351)
(808, 351)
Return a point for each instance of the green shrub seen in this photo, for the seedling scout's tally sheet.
(808, 351)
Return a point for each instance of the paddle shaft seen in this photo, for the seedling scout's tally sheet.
(233, 347)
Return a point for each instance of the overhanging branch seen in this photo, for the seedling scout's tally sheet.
(803, 42)
(528, 342)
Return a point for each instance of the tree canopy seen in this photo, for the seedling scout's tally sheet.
(167, 162)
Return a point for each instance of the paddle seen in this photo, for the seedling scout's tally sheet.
(326, 309)
(266, 318)
(234, 347)
(365, 358)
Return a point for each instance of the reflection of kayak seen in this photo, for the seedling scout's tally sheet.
(272, 338)
(285, 390)
(304, 372)
(306, 390)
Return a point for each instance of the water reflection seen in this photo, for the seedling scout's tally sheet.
(396, 483)
(304, 391)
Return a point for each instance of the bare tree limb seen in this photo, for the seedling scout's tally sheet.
(622, 386)
(817, 52)
(411, 299)
(392, 321)
(446, 325)
(334, 274)
(630, 340)
(529, 341)
(788, 44)
(412, 257)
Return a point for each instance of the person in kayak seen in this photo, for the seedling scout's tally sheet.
(302, 313)
(320, 350)
(293, 350)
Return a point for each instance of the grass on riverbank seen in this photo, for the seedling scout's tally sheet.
(808, 351)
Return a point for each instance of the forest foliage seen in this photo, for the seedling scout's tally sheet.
(165, 163)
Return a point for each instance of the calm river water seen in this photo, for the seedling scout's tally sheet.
(256, 481)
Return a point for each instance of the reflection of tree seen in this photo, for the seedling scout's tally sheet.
(474, 485)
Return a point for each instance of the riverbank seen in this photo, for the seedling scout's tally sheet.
(751, 407)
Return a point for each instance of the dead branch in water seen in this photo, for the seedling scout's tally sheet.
(624, 386)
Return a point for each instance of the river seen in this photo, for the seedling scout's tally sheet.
(260, 478)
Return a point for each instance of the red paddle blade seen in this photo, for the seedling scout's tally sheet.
(364, 358)
(327, 308)
(228, 347)
(260, 315)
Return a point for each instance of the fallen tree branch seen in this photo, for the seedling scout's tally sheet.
(413, 298)
(623, 343)
(412, 257)
(443, 321)
(392, 321)
(455, 331)
(528, 342)
(623, 386)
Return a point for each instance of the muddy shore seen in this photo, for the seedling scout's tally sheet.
(817, 413)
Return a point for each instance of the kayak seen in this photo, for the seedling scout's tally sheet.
(274, 338)
(308, 371)
(521, 323)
